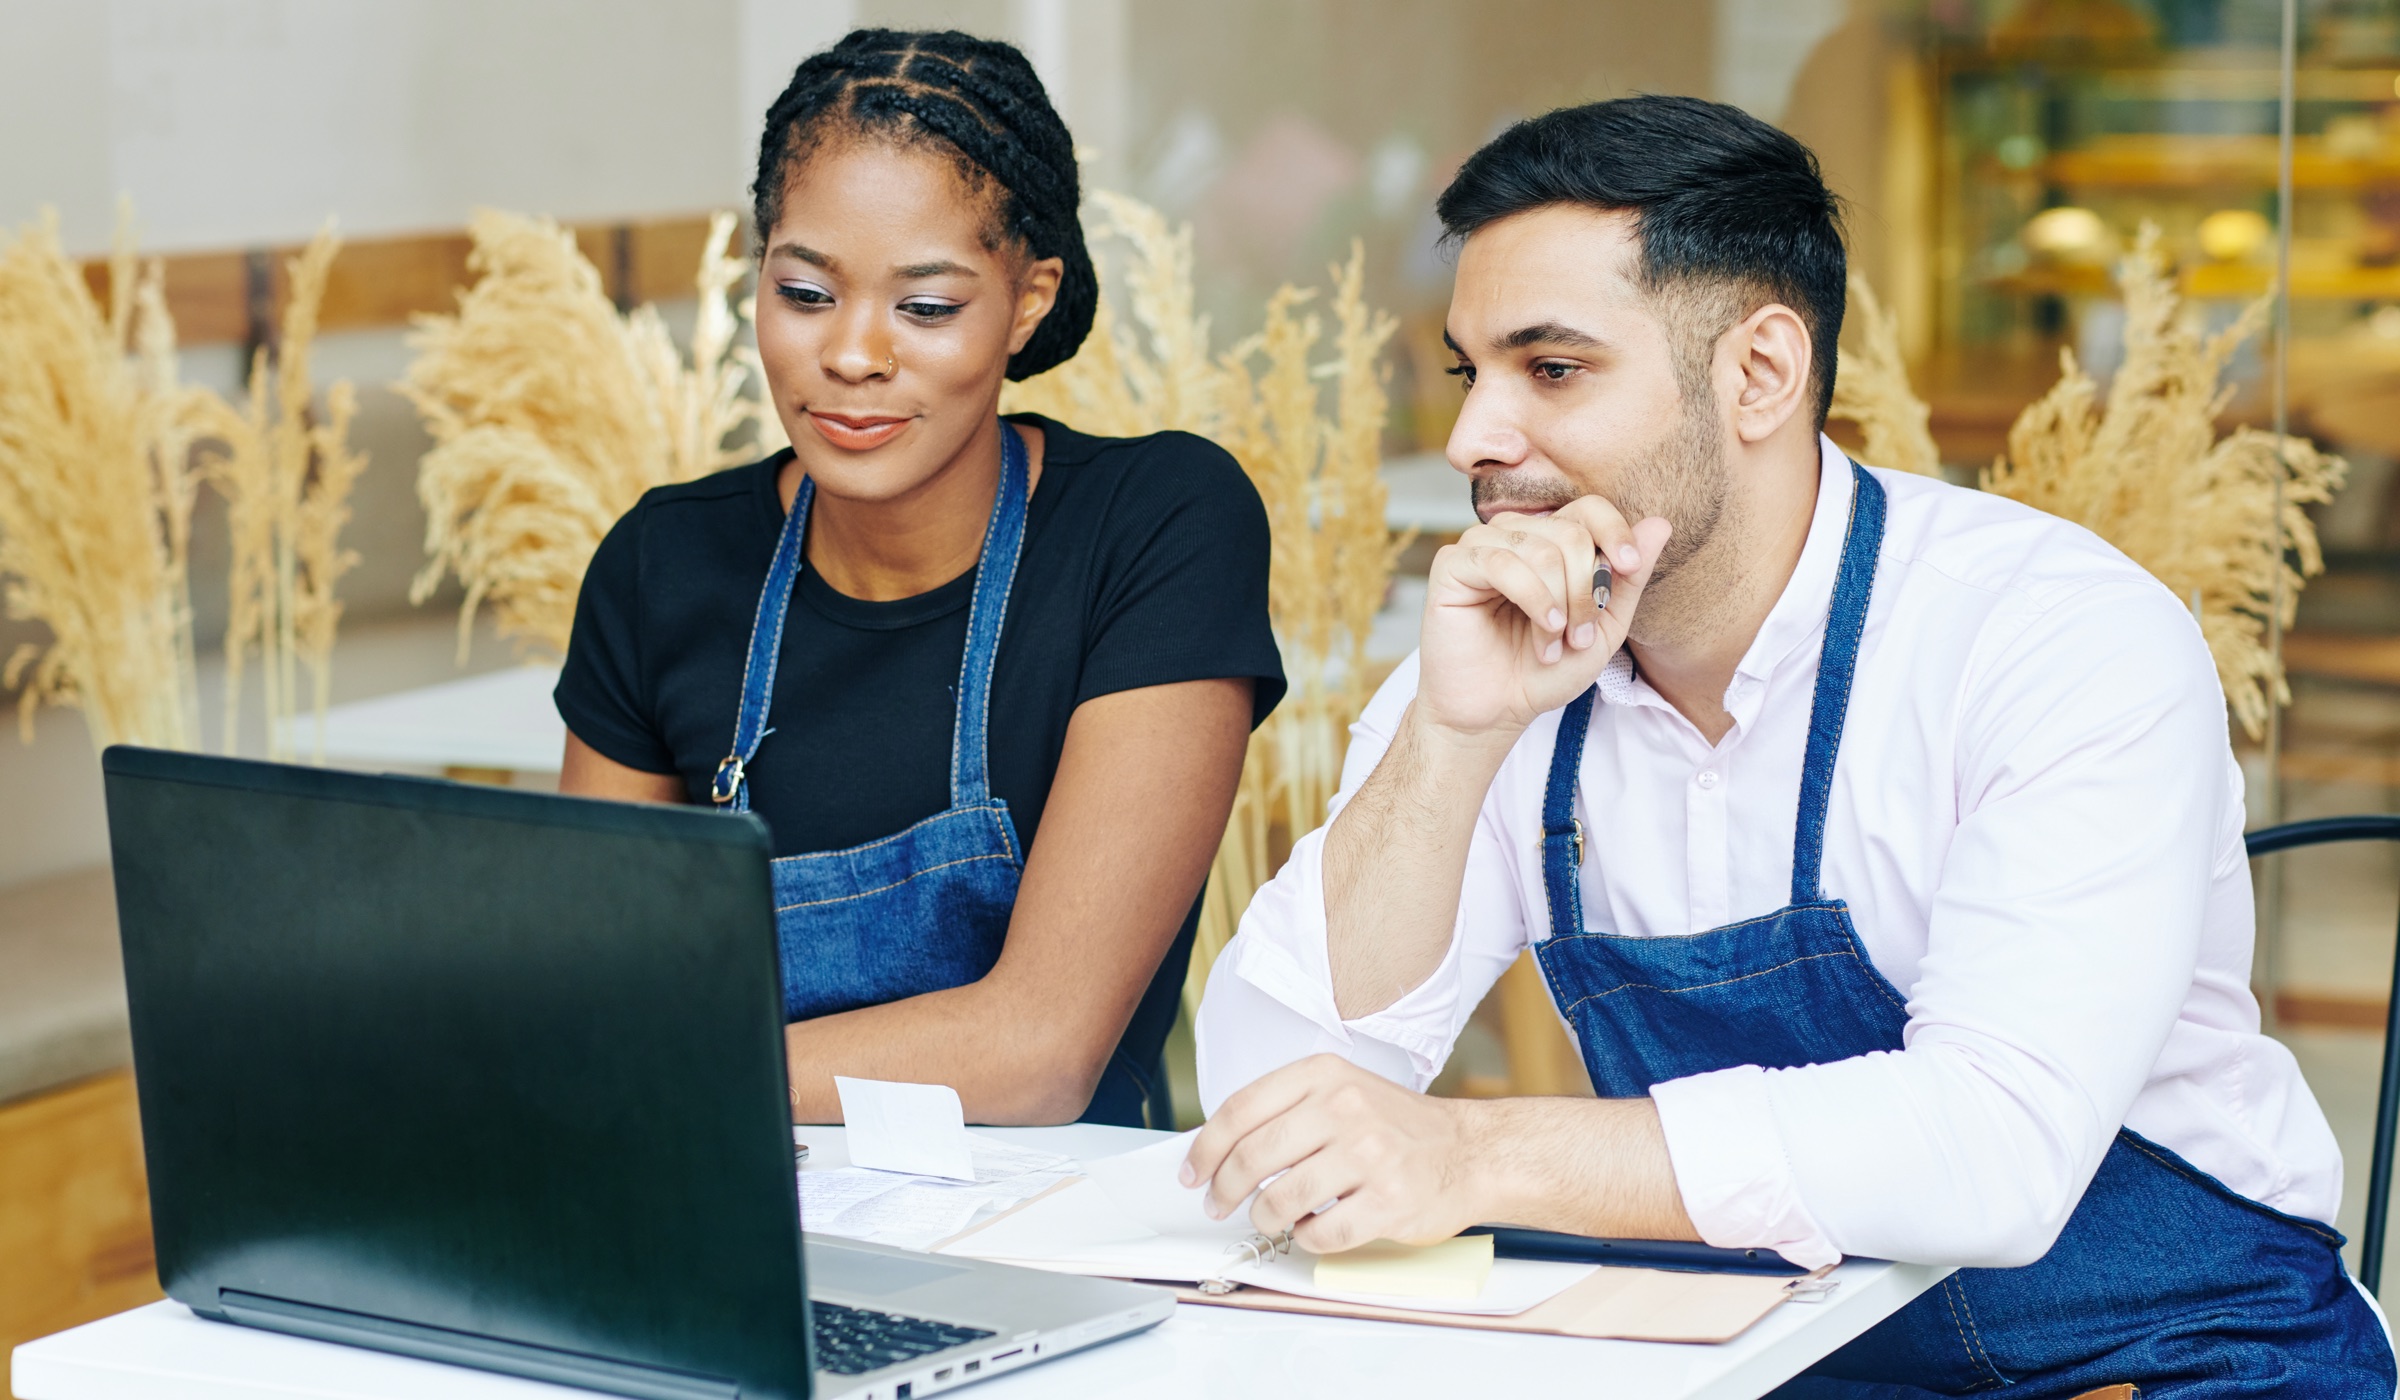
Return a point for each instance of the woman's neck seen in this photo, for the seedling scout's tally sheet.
(880, 551)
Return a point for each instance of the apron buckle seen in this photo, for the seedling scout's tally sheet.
(1577, 823)
(728, 781)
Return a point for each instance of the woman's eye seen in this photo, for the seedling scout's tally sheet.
(801, 294)
(1464, 373)
(930, 310)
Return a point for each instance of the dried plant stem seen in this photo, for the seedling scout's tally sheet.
(96, 493)
(1318, 474)
(286, 478)
(551, 414)
(1870, 389)
(2145, 470)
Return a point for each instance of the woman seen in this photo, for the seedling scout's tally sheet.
(989, 682)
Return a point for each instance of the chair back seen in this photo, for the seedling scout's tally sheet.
(2324, 831)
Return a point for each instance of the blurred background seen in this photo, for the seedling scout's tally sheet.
(1997, 156)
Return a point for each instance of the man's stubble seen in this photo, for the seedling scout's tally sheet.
(1683, 480)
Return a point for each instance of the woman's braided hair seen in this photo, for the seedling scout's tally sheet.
(983, 101)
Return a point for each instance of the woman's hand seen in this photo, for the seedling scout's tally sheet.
(1133, 820)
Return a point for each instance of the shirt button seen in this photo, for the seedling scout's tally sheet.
(1707, 779)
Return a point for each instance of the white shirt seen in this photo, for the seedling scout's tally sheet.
(2037, 823)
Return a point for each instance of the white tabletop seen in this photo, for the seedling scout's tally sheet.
(1202, 1353)
(500, 719)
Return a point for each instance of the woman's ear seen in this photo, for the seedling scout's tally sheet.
(1037, 292)
(1770, 349)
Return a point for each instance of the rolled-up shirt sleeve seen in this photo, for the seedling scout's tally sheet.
(2063, 937)
(1269, 999)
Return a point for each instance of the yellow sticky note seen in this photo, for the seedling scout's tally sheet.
(1454, 1268)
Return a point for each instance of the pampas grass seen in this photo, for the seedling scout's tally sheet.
(1870, 389)
(2144, 469)
(96, 493)
(551, 414)
(101, 461)
(1308, 432)
(286, 478)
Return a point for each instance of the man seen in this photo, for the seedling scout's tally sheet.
(1880, 841)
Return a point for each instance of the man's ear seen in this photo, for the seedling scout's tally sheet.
(1769, 350)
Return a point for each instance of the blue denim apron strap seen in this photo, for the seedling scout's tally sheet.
(1003, 543)
(730, 787)
(1562, 834)
(1844, 624)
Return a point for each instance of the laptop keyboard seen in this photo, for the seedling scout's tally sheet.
(854, 1341)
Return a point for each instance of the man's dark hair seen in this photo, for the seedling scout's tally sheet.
(978, 99)
(1722, 202)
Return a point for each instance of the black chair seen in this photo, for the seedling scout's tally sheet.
(2387, 1095)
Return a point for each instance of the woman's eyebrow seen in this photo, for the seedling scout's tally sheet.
(805, 254)
(942, 267)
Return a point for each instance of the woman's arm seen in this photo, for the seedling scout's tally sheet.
(586, 772)
(1132, 822)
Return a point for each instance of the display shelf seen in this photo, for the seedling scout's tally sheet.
(2210, 282)
(2165, 160)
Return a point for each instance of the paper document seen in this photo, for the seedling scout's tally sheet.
(1004, 1161)
(916, 1212)
(1079, 1229)
(1453, 1268)
(920, 1129)
(1132, 1218)
(885, 1208)
(1147, 1187)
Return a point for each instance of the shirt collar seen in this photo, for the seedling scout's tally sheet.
(1797, 617)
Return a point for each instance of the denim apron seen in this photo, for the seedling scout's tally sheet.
(925, 908)
(2163, 1276)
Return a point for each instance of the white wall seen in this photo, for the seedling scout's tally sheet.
(233, 123)
(238, 122)
(1762, 46)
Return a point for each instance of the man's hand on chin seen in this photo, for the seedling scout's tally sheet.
(1401, 1165)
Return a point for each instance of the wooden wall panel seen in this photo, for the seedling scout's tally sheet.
(74, 1211)
(383, 282)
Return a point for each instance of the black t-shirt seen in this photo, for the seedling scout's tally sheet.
(1144, 563)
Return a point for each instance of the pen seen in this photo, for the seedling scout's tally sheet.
(1602, 581)
(1511, 1242)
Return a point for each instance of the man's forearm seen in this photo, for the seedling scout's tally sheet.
(1584, 1166)
(1395, 859)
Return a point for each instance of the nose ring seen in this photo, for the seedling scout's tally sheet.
(891, 364)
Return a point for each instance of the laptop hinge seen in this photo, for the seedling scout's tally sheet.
(469, 1349)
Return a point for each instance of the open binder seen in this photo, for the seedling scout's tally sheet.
(1052, 1231)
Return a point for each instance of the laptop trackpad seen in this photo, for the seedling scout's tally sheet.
(871, 1274)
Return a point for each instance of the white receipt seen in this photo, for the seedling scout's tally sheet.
(999, 1161)
(824, 1195)
(911, 1212)
(920, 1129)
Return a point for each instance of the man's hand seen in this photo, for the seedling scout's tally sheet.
(1362, 1159)
(1399, 1164)
(1511, 627)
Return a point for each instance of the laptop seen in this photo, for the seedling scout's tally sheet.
(497, 1078)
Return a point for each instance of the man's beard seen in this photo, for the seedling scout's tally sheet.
(1682, 480)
